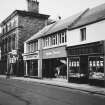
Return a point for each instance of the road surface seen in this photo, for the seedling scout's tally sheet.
(17, 92)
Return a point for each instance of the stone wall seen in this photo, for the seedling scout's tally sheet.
(28, 27)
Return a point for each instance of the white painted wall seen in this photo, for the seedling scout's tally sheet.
(25, 47)
(94, 32)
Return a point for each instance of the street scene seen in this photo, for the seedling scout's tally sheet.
(52, 52)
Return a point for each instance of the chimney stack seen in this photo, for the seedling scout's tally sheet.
(33, 6)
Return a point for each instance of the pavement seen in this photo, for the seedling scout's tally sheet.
(63, 83)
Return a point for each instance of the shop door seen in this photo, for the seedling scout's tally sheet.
(84, 67)
(35, 68)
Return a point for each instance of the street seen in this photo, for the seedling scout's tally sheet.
(17, 92)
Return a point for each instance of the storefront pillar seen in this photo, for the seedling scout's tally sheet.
(26, 68)
(67, 69)
(104, 62)
(39, 68)
(104, 69)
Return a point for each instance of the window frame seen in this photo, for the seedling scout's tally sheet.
(82, 34)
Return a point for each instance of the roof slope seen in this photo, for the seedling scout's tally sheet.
(93, 15)
(63, 24)
(57, 26)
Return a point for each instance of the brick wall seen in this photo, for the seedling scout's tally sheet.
(28, 27)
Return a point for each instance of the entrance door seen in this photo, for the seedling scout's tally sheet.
(84, 66)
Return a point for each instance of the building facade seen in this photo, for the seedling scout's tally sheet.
(17, 28)
(86, 48)
(51, 46)
(33, 54)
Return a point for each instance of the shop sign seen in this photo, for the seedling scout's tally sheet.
(14, 52)
(52, 53)
(29, 57)
(55, 53)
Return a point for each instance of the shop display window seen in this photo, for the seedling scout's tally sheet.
(74, 67)
(96, 67)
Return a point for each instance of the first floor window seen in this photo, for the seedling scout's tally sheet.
(83, 34)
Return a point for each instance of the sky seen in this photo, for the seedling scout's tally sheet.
(54, 8)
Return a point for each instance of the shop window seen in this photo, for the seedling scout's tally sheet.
(74, 67)
(83, 34)
(96, 67)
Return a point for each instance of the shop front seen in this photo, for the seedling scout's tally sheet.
(86, 63)
(55, 63)
(31, 64)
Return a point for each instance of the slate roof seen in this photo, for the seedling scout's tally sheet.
(57, 26)
(64, 23)
(92, 15)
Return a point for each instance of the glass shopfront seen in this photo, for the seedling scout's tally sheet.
(86, 63)
(74, 67)
(32, 67)
(55, 62)
(96, 67)
(55, 68)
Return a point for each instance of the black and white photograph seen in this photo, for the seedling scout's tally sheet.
(52, 52)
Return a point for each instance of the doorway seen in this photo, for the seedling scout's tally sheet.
(84, 68)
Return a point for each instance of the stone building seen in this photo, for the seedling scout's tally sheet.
(17, 28)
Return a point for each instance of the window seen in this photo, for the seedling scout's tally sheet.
(10, 26)
(74, 67)
(32, 47)
(13, 41)
(6, 27)
(3, 31)
(96, 67)
(83, 34)
(62, 37)
(55, 39)
(14, 24)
